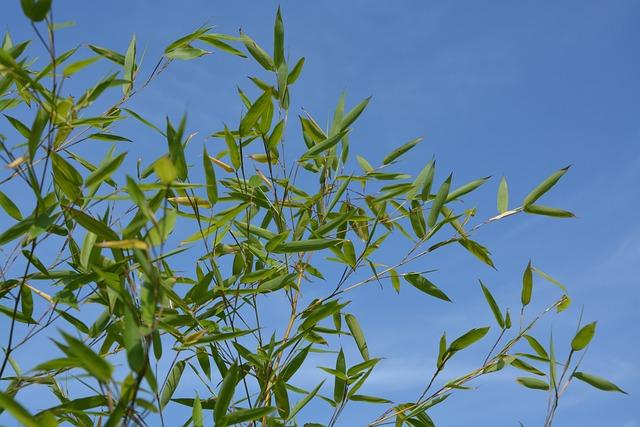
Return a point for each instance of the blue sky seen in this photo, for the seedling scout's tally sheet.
(519, 89)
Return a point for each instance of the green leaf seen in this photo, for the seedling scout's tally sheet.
(234, 152)
(313, 316)
(79, 65)
(282, 398)
(534, 383)
(129, 66)
(278, 40)
(324, 145)
(93, 225)
(296, 362)
(165, 170)
(352, 115)
(253, 114)
(210, 176)
(478, 251)
(417, 219)
(583, 337)
(214, 40)
(465, 189)
(503, 196)
(425, 286)
(527, 285)
(537, 347)
(109, 54)
(469, 338)
(364, 164)
(227, 389)
(66, 177)
(17, 411)
(493, 305)
(198, 420)
(27, 301)
(87, 358)
(104, 170)
(306, 245)
(39, 123)
(172, 382)
(133, 341)
(357, 334)
(176, 149)
(9, 207)
(547, 211)
(439, 200)
(295, 72)
(259, 54)
(109, 137)
(544, 186)
(368, 399)
(340, 385)
(400, 151)
(36, 10)
(597, 382)
(186, 53)
(304, 401)
(244, 415)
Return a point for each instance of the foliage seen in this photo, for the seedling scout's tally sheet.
(94, 259)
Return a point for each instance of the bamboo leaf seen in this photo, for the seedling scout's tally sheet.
(104, 170)
(400, 151)
(278, 40)
(503, 196)
(172, 382)
(527, 285)
(340, 385)
(597, 382)
(438, 201)
(468, 338)
(547, 211)
(9, 207)
(583, 337)
(244, 415)
(493, 305)
(534, 383)
(17, 411)
(306, 245)
(425, 286)
(544, 186)
(357, 334)
(227, 389)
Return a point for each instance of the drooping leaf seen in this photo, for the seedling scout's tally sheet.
(425, 285)
(548, 211)
(17, 411)
(225, 395)
(527, 285)
(244, 415)
(534, 383)
(9, 207)
(493, 305)
(598, 382)
(173, 380)
(357, 334)
(210, 176)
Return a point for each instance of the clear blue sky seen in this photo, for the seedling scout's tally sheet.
(497, 88)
